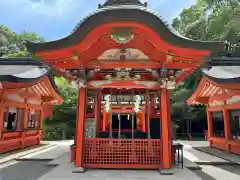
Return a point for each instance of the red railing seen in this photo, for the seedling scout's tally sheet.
(122, 153)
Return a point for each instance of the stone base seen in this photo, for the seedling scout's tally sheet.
(79, 170)
(166, 171)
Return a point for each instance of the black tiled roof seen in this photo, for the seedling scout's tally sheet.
(223, 70)
(23, 70)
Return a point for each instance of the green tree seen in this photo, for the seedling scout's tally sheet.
(62, 124)
(205, 20)
(212, 20)
(13, 44)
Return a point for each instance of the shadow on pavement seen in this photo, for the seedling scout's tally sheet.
(26, 170)
(203, 175)
(235, 169)
(6, 154)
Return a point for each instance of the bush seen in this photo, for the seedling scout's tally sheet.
(51, 134)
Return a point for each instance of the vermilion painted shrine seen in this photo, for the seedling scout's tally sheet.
(219, 90)
(124, 61)
(27, 94)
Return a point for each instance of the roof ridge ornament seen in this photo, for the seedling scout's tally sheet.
(122, 2)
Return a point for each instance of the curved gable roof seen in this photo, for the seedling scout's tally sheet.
(22, 72)
(125, 13)
(22, 69)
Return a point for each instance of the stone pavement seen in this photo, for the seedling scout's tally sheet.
(221, 154)
(6, 157)
(26, 170)
(46, 170)
(52, 154)
(64, 172)
(215, 171)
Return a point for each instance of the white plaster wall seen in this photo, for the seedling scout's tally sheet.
(216, 103)
(34, 102)
(234, 100)
(14, 97)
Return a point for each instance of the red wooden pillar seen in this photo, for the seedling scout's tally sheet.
(210, 127)
(80, 125)
(227, 128)
(165, 129)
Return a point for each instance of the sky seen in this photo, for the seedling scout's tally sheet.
(55, 19)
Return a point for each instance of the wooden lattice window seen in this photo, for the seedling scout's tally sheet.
(218, 124)
(34, 118)
(13, 118)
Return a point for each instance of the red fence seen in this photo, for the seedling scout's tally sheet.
(120, 153)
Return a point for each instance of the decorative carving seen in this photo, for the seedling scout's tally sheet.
(167, 84)
(82, 84)
(122, 35)
(129, 54)
(124, 74)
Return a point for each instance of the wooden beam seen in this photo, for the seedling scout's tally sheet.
(22, 94)
(224, 96)
(202, 100)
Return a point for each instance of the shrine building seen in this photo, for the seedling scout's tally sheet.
(219, 90)
(124, 60)
(27, 96)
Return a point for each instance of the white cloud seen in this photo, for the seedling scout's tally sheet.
(54, 8)
(53, 19)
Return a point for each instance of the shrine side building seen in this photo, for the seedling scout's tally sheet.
(27, 96)
(219, 90)
(124, 60)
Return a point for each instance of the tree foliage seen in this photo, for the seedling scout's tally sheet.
(206, 20)
(212, 20)
(13, 44)
(62, 124)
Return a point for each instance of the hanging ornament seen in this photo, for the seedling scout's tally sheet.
(107, 105)
(137, 103)
(12, 110)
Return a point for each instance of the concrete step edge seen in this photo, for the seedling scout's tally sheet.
(229, 163)
(212, 154)
(22, 154)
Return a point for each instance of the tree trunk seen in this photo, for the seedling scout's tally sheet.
(63, 134)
